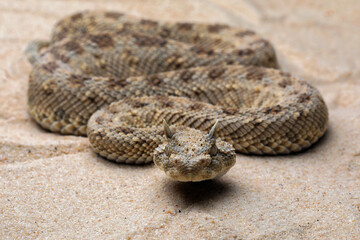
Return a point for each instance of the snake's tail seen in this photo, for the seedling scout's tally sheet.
(33, 50)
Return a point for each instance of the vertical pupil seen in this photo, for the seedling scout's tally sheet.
(213, 150)
(167, 150)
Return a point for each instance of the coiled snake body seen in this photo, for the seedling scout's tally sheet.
(184, 95)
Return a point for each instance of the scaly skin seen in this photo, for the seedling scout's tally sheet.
(188, 74)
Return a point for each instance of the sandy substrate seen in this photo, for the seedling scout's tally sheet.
(54, 186)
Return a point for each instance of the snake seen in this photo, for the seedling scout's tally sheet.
(186, 96)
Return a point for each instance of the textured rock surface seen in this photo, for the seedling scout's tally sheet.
(54, 186)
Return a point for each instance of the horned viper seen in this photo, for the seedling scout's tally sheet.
(183, 95)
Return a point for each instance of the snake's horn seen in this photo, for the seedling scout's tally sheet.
(212, 133)
(167, 130)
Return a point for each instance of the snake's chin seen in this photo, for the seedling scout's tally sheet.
(189, 156)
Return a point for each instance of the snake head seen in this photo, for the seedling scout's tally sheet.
(193, 155)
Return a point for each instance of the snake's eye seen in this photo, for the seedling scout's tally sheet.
(167, 150)
(213, 150)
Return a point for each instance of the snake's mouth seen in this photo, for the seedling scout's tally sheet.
(195, 177)
(197, 174)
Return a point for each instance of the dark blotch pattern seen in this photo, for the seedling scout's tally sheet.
(255, 73)
(202, 50)
(216, 72)
(60, 113)
(77, 80)
(59, 56)
(149, 23)
(148, 41)
(73, 46)
(230, 111)
(285, 74)
(113, 15)
(50, 67)
(102, 40)
(216, 28)
(285, 82)
(113, 82)
(76, 17)
(303, 98)
(185, 26)
(196, 107)
(186, 76)
(273, 110)
(164, 32)
(61, 33)
(244, 52)
(124, 130)
(245, 33)
(164, 101)
(139, 104)
(154, 80)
